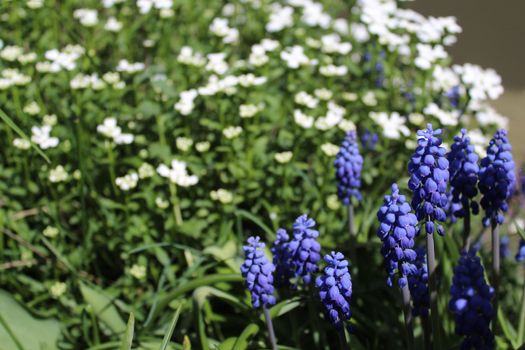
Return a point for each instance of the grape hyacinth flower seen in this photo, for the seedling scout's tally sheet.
(418, 285)
(429, 172)
(470, 303)
(464, 169)
(282, 259)
(258, 274)
(369, 140)
(335, 291)
(304, 249)
(496, 184)
(520, 255)
(496, 178)
(348, 165)
(397, 231)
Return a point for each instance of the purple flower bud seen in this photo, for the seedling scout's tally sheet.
(348, 165)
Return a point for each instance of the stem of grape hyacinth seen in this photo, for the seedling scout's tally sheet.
(495, 271)
(351, 219)
(466, 229)
(432, 289)
(427, 332)
(343, 344)
(521, 326)
(269, 325)
(175, 203)
(408, 317)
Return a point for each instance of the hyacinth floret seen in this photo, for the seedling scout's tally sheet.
(282, 258)
(348, 165)
(397, 229)
(471, 303)
(464, 169)
(335, 289)
(418, 285)
(520, 255)
(429, 172)
(304, 248)
(258, 273)
(496, 178)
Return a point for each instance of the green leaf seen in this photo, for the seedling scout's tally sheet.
(21, 331)
(242, 342)
(257, 221)
(104, 308)
(10, 123)
(169, 333)
(128, 336)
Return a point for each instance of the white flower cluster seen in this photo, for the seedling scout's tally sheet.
(128, 181)
(393, 124)
(41, 135)
(61, 60)
(87, 17)
(111, 130)
(178, 173)
(13, 77)
(222, 195)
(220, 27)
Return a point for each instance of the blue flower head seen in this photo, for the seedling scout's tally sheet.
(470, 303)
(335, 289)
(504, 247)
(369, 140)
(520, 255)
(258, 273)
(463, 167)
(429, 172)
(304, 248)
(348, 165)
(418, 285)
(282, 258)
(397, 229)
(453, 95)
(497, 178)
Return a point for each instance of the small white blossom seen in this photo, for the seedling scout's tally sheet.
(305, 99)
(222, 195)
(283, 157)
(41, 136)
(369, 99)
(22, 144)
(59, 174)
(330, 149)
(232, 132)
(280, 18)
(128, 181)
(138, 271)
(323, 94)
(333, 71)
(295, 57)
(302, 119)
(57, 289)
(185, 105)
(161, 203)
(445, 117)
(32, 109)
(50, 119)
(187, 56)
(113, 25)
(178, 173)
(249, 110)
(146, 170)
(11, 53)
(50, 231)
(489, 116)
(482, 83)
(125, 66)
(183, 143)
(87, 17)
(111, 130)
(216, 63)
(393, 125)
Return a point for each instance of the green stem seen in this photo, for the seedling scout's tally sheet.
(343, 344)
(177, 213)
(111, 166)
(432, 286)
(521, 326)
(495, 272)
(269, 325)
(408, 317)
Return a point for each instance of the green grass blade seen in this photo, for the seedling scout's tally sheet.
(128, 336)
(242, 342)
(10, 123)
(169, 333)
(11, 334)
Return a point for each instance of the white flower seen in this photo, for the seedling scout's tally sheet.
(50, 231)
(283, 157)
(248, 110)
(482, 83)
(323, 94)
(444, 78)
(113, 25)
(27, 58)
(161, 203)
(41, 136)
(183, 143)
(59, 174)
(294, 57)
(445, 117)
(110, 3)
(111, 130)
(302, 119)
(125, 66)
(313, 15)
(280, 18)
(138, 271)
(22, 144)
(32, 109)
(185, 105)
(50, 119)
(416, 118)
(330, 149)
(187, 56)
(11, 53)
(250, 80)
(128, 181)
(393, 125)
(332, 202)
(82, 81)
(57, 289)
(12, 77)
(87, 17)
(359, 32)
(369, 98)
(146, 170)
(331, 43)
(145, 6)
(222, 195)
(177, 174)
(346, 125)
(59, 60)
(216, 63)
(232, 132)
(305, 99)
(428, 54)
(35, 4)
(489, 116)
(333, 71)
(202, 146)
(220, 27)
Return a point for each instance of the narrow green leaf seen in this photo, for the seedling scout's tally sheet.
(128, 336)
(169, 333)
(103, 307)
(257, 221)
(242, 342)
(10, 123)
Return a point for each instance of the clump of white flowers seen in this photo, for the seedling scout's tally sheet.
(57, 289)
(58, 174)
(111, 130)
(222, 195)
(232, 132)
(283, 157)
(41, 135)
(138, 271)
(177, 173)
(183, 143)
(50, 231)
(330, 149)
(128, 181)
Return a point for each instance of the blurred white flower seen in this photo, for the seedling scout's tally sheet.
(369, 99)
(216, 63)
(187, 56)
(50, 231)
(61, 60)
(87, 17)
(111, 130)
(427, 55)
(332, 202)
(125, 66)
(202, 146)
(250, 80)
(185, 105)
(146, 170)
(32, 109)
(333, 71)
(220, 27)
(35, 4)
(11, 77)
(346, 125)
(161, 203)
(138, 271)
(302, 119)
(331, 43)
(113, 25)
(178, 173)
(248, 110)
(283, 157)
(280, 18)
(305, 99)
(128, 181)
(445, 117)
(479, 140)
(393, 125)
(294, 57)
(323, 94)
(50, 119)
(488, 116)
(22, 144)
(145, 6)
(58, 174)
(330, 149)
(41, 136)
(232, 132)
(57, 289)
(482, 83)
(222, 195)
(183, 143)
(11, 53)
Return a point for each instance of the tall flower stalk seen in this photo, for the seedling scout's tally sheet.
(258, 274)
(464, 171)
(348, 165)
(496, 183)
(429, 172)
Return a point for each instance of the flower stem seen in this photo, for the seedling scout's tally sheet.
(111, 166)
(495, 271)
(351, 220)
(343, 344)
(175, 203)
(408, 317)
(427, 331)
(466, 228)
(432, 288)
(269, 325)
